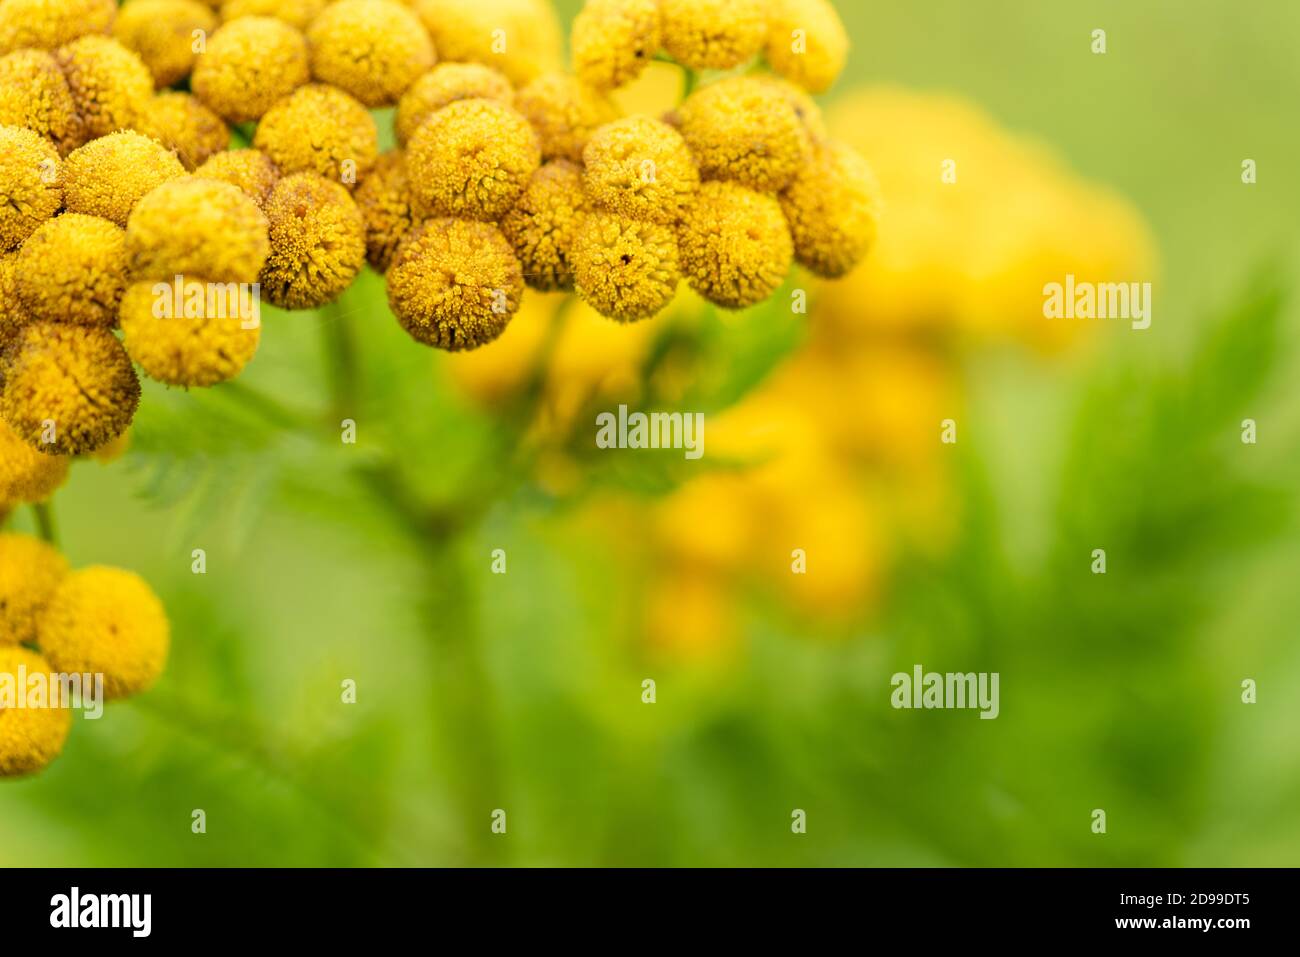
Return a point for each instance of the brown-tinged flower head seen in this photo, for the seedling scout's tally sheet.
(182, 123)
(640, 168)
(542, 226)
(735, 245)
(13, 314)
(296, 13)
(30, 570)
(162, 32)
(251, 170)
(564, 112)
(713, 34)
(34, 94)
(454, 283)
(613, 40)
(625, 269)
(110, 85)
(521, 38)
(107, 621)
(318, 242)
(833, 208)
(73, 270)
(197, 227)
(27, 475)
(471, 159)
(31, 184)
(47, 24)
(30, 738)
(248, 65)
(107, 176)
(320, 129)
(747, 130)
(806, 42)
(373, 49)
(68, 389)
(384, 198)
(447, 83)
(192, 332)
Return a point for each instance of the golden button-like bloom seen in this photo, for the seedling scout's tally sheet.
(110, 85)
(193, 333)
(27, 475)
(13, 314)
(735, 245)
(454, 283)
(73, 270)
(833, 208)
(182, 123)
(804, 106)
(30, 737)
(162, 32)
(296, 13)
(68, 389)
(564, 112)
(745, 129)
(107, 621)
(640, 168)
(250, 170)
(373, 49)
(46, 24)
(624, 268)
(31, 184)
(34, 94)
(543, 224)
(197, 227)
(806, 42)
(320, 129)
(30, 570)
(249, 64)
(521, 38)
(471, 159)
(613, 40)
(107, 176)
(447, 83)
(713, 34)
(318, 242)
(384, 198)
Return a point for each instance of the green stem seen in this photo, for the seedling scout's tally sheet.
(690, 78)
(45, 522)
(341, 360)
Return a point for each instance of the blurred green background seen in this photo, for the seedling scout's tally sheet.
(523, 691)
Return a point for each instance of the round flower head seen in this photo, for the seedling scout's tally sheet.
(804, 106)
(31, 184)
(747, 130)
(189, 333)
(162, 32)
(107, 621)
(640, 168)
(542, 226)
(248, 65)
(471, 159)
(454, 284)
(73, 270)
(713, 34)
(13, 314)
(46, 24)
(521, 38)
(735, 245)
(30, 737)
(564, 112)
(447, 83)
(613, 40)
(318, 242)
(833, 208)
(110, 85)
(623, 268)
(34, 94)
(30, 570)
(806, 42)
(373, 49)
(296, 13)
(27, 475)
(107, 176)
(68, 389)
(113, 450)
(318, 129)
(197, 227)
(180, 122)
(384, 198)
(250, 170)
